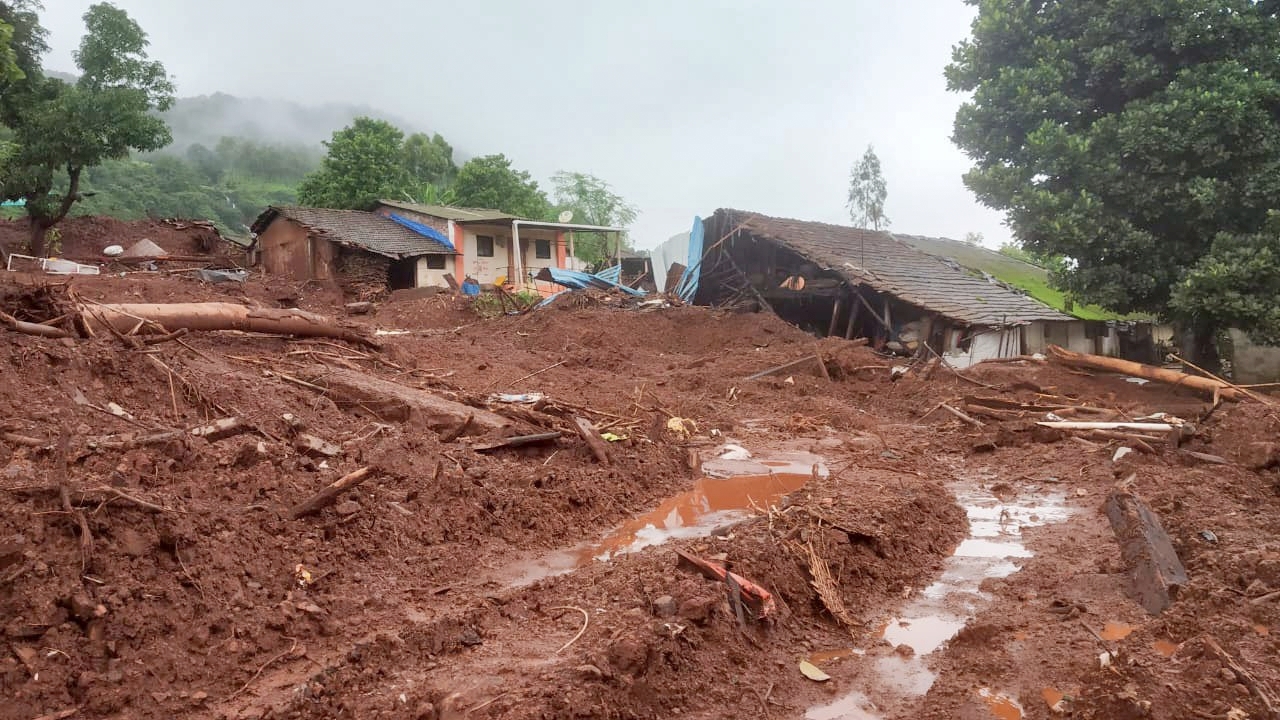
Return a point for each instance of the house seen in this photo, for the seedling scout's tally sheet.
(487, 241)
(851, 282)
(351, 246)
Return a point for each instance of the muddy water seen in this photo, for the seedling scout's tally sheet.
(734, 486)
(943, 608)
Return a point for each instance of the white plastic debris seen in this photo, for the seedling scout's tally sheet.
(1120, 453)
(113, 250)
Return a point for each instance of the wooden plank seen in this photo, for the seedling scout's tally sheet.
(1157, 573)
(589, 435)
(517, 441)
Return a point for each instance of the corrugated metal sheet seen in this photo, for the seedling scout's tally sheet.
(895, 267)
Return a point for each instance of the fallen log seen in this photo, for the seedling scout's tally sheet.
(1081, 425)
(29, 328)
(589, 435)
(394, 402)
(162, 318)
(1149, 372)
(329, 494)
(819, 367)
(962, 416)
(1154, 568)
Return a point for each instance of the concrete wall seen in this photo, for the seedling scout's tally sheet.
(1252, 363)
(486, 269)
(427, 277)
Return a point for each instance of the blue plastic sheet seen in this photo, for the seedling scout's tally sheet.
(575, 280)
(424, 230)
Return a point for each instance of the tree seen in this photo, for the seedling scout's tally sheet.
(363, 165)
(867, 192)
(592, 202)
(64, 128)
(489, 182)
(973, 238)
(1127, 136)
(428, 160)
(1236, 285)
(9, 70)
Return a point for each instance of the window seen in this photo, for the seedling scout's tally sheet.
(542, 249)
(435, 262)
(484, 246)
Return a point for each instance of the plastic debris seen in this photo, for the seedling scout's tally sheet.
(813, 672)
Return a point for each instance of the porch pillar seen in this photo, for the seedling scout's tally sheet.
(518, 252)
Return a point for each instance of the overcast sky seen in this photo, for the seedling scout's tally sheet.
(684, 106)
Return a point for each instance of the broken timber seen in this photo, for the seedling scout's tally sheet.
(161, 318)
(1149, 372)
(517, 441)
(400, 403)
(818, 366)
(1153, 564)
(329, 494)
(589, 435)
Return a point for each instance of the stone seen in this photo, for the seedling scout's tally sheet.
(665, 606)
(349, 507)
(316, 447)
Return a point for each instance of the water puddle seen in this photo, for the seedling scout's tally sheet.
(1115, 631)
(735, 485)
(854, 706)
(1166, 648)
(942, 609)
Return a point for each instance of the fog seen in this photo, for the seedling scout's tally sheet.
(683, 105)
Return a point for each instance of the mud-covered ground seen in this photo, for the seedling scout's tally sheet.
(534, 582)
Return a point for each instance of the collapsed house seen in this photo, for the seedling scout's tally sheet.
(834, 280)
(351, 247)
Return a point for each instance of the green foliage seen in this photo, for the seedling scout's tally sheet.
(9, 70)
(364, 164)
(1236, 285)
(489, 182)
(65, 128)
(867, 192)
(428, 160)
(490, 305)
(593, 202)
(1129, 136)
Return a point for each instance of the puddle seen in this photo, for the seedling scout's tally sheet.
(1052, 698)
(1002, 707)
(1114, 631)
(1165, 647)
(942, 609)
(825, 656)
(854, 706)
(734, 487)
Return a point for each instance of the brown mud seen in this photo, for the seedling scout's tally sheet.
(968, 568)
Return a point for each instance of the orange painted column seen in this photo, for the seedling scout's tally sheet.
(459, 260)
(560, 249)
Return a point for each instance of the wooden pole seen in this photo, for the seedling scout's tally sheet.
(329, 494)
(835, 316)
(853, 318)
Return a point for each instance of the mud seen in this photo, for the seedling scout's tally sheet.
(972, 574)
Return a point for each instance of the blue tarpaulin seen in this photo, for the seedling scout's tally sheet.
(580, 281)
(688, 286)
(612, 274)
(424, 230)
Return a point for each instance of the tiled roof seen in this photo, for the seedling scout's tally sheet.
(357, 228)
(895, 267)
(455, 214)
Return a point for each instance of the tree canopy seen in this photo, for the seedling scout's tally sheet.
(59, 129)
(592, 202)
(867, 192)
(364, 164)
(490, 182)
(1139, 139)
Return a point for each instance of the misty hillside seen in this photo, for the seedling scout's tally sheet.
(205, 119)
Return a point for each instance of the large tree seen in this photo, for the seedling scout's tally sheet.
(592, 202)
(867, 192)
(364, 164)
(1134, 137)
(490, 182)
(60, 129)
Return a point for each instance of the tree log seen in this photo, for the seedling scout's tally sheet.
(28, 328)
(1150, 372)
(589, 435)
(1154, 567)
(216, 316)
(329, 494)
(400, 403)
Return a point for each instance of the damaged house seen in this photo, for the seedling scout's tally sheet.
(351, 247)
(849, 282)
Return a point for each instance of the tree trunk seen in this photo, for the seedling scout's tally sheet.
(39, 228)
(1200, 345)
(41, 223)
(216, 316)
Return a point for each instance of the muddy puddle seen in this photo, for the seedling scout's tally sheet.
(735, 484)
(943, 608)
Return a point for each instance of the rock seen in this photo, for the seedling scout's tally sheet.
(293, 422)
(470, 638)
(591, 671)
(199, 696)
(359, 308)
(250, 454)
(665, 606)
(349, 507)
(905, 651)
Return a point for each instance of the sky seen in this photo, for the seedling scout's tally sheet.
(683, 106)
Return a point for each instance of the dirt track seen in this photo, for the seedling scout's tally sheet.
(418, 594)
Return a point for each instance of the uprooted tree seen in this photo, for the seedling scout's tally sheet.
(1140, 140)
(61, 128)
